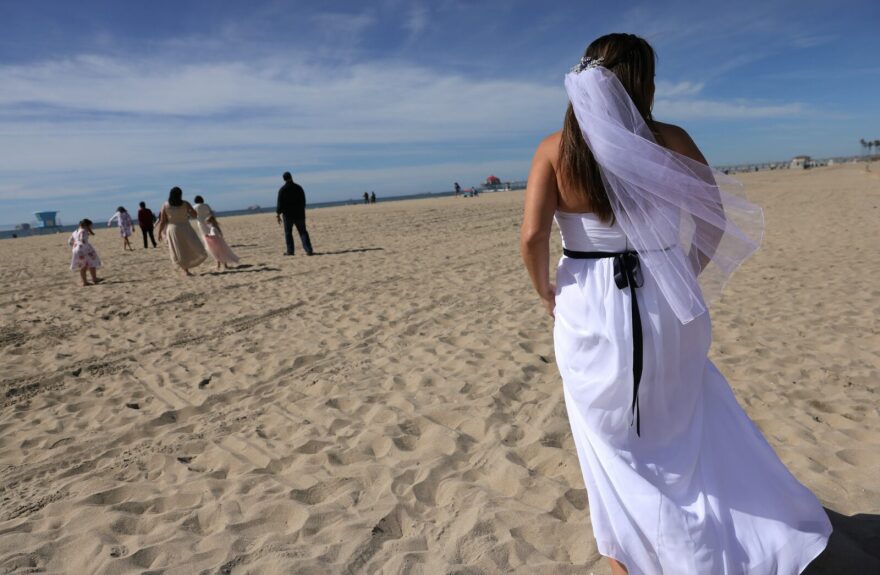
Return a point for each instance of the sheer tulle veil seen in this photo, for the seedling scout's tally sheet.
(691, 225)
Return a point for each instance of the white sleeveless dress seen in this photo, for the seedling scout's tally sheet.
(700, 491)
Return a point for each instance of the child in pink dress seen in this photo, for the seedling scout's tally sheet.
(212, 235)
(84, 257)
(219, 249)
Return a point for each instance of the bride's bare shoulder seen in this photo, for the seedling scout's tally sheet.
(549, 147)
(678, 140)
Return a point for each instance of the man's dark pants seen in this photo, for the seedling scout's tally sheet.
(300, 223)
(148, 232)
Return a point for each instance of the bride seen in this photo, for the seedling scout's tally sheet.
(679, 479)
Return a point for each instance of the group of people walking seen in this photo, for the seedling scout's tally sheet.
(146, 219)
(187, 248)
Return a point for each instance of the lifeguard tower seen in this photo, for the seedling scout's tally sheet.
(47, 219)
(801, 163)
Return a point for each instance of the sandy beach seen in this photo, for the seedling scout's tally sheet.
(391, 405)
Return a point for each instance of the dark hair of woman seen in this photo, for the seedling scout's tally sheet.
(199, 200)
(143, 204)
(175, 197)
(120, 209)
(632, 60)
(87, 224)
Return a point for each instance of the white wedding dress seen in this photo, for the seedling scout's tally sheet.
(700, 491)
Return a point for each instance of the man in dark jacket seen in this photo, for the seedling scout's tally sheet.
(291, 210)
(146, 219)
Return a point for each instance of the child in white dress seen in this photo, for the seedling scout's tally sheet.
(84, 257)
(126, 226)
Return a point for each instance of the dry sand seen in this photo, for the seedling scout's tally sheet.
(392, 405)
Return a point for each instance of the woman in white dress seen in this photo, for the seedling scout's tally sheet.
(212, 236)
(679, 480)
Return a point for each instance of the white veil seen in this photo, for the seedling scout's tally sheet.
(683, 218)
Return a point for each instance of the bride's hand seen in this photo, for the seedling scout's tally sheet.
(548, 298)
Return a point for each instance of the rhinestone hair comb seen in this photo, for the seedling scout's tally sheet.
(587, 63)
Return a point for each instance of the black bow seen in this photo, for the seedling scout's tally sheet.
(628, 272)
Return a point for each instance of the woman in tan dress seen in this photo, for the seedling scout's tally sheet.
(184, 245)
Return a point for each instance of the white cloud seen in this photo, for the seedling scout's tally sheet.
(343, 25)
(698, 109)
(417, 20)
(683, 101)
(100, 113)
(671, 90)
(88, 126)
(299, 94)
(807, 40)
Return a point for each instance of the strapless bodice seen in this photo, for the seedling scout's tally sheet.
(585, 232)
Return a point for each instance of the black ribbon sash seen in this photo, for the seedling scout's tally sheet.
(627, 273)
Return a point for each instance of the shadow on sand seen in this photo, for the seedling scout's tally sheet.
(854, 547)
(349, 251)
(242, 269)
(111, 282)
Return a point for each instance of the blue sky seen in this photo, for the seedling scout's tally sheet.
(110, 102)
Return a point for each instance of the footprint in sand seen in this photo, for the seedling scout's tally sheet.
(118, 551)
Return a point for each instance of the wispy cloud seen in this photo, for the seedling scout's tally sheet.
(684, 101)
(86, 118)
(808, 40)
(343, 24)
(678, 89)
(143, 98)
(350, 97)
(697, 109)
(416, 20)
(112, 117)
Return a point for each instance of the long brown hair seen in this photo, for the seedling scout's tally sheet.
(632, 60)
(175, 197)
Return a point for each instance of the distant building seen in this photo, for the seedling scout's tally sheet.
(800, 162)
(47, 219)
